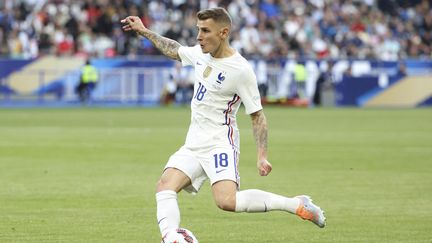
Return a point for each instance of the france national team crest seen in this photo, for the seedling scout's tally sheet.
(220, 78)
(207, 71)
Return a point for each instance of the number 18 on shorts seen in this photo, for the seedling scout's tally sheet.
(215, 164)
(222, 165)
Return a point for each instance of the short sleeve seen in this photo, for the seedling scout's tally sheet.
(187, 55)
(247, 89)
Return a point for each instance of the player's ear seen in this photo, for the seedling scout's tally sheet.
(224, 33)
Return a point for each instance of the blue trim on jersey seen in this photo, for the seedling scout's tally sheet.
(236, 168)
(229, 109)
(228, 120)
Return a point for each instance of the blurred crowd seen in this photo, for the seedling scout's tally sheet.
(268, 29)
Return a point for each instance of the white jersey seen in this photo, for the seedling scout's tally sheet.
(221, 84)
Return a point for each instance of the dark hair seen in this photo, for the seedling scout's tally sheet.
(219, 15)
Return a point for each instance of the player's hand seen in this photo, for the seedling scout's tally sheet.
(264, 167)
(133, 23)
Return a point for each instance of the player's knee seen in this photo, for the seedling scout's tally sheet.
(173, 182)
(163, 184)
(226, 204)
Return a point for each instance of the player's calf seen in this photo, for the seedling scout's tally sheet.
(224, 194)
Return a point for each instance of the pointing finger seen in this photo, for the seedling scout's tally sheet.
(127, 20)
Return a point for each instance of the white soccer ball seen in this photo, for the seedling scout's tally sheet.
(179, 235)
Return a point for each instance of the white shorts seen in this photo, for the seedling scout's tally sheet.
(216, 164)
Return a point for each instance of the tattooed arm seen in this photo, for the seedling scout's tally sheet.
(165, 45)
(259, 125)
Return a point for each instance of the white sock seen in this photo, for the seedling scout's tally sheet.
(253, 201)
(168, 213)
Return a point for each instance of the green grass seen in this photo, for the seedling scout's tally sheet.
(88, 175)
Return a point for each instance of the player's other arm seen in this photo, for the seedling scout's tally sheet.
(259, 125)
(167, 46)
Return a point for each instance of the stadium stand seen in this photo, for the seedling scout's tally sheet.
(364, 40)
(381, 29)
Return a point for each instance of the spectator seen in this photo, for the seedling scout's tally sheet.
(183, 78)
(88, 81)
(323, 80)
(300, 75)
(384, 29)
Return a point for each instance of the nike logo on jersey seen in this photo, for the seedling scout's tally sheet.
(219, 171)
(198, 63)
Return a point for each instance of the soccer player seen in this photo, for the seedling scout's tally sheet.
(223, 79)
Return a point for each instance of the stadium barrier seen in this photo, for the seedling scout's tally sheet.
(116, 86)
(141, 81)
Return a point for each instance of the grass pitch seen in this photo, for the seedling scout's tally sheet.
(88, 175)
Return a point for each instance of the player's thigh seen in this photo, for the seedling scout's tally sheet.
(183, 171)
(173, 179)
(222, 164)
(224, 194)
(222, 169)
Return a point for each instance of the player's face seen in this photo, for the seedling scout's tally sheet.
(210, 35)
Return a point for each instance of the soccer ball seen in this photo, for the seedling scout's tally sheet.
(179, 235)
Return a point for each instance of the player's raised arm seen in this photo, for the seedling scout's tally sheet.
(167, 46)
(259, 125)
